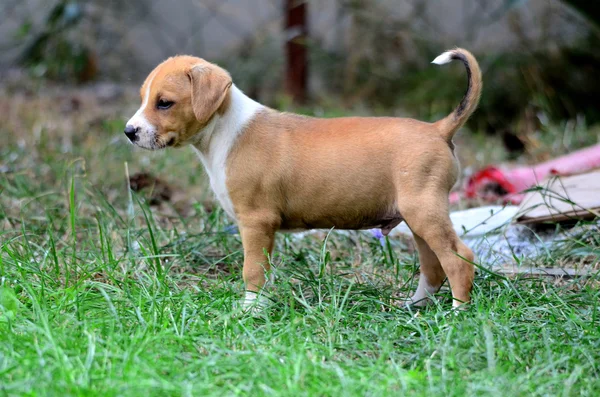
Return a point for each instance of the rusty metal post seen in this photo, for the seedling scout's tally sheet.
(296, 34)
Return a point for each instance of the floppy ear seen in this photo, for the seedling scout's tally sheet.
(210, 85)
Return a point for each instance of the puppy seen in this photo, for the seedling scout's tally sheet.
(273, 171)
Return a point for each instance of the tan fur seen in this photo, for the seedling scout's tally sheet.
(450, 124)
(289, 172)
(210, 86)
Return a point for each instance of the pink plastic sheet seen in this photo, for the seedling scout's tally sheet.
(496, 183)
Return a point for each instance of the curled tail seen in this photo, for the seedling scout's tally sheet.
(451, 123)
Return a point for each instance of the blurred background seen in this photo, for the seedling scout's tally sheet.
(72, 69)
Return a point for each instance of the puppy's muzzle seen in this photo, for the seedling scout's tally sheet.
(131, 132)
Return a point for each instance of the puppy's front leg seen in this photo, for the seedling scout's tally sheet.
(258, 236)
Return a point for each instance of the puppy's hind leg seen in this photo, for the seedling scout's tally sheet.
(428, 218)
(432, 275)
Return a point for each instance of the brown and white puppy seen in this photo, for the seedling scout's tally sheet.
(279, 171)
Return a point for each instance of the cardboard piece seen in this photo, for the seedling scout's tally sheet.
(562, 198)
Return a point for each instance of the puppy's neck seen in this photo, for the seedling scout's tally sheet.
(224, 129)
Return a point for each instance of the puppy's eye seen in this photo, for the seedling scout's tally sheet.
(164, 104)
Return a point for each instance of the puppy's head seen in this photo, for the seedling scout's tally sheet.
(179, 99)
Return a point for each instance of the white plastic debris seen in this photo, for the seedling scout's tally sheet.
(475, 221)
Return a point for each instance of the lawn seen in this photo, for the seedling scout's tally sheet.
(103, 294)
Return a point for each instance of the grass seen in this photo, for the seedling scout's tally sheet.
(101, 294)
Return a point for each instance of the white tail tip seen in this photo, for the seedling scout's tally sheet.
(446, 57)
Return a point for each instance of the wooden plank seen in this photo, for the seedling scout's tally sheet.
(562, 198)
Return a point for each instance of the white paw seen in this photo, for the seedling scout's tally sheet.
(459, 305)
(255, 303)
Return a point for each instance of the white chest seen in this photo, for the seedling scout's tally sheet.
(216, 168)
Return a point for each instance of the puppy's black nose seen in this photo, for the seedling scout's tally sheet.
(131, 132)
